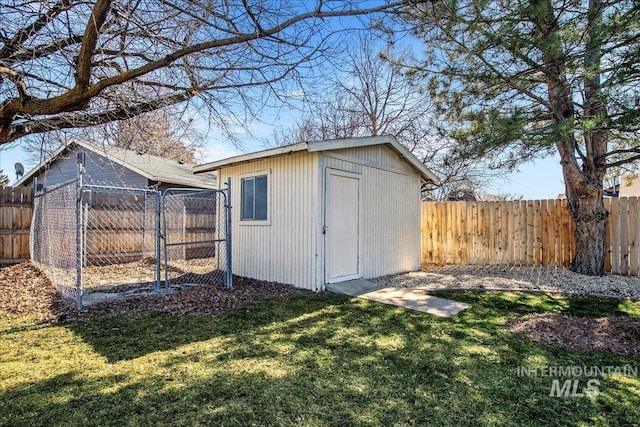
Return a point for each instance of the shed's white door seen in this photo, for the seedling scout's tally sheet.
(342, 201)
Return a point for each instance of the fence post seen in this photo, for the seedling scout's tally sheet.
(79, 246)
(165, 236)
(184, 229)
(85, 229)
(158, 206)
(34, 188)
(144, 224)
(228, 234)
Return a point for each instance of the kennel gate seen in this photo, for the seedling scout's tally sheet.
(194, 232)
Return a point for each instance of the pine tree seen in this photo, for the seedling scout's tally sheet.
(519, 79)
(4, 179)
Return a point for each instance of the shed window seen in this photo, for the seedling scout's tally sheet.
(254, 198)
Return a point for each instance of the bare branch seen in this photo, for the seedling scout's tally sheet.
(79, 120)
(167, 45)
(16, 41)
(17, 80)
(91, 33)
(625, 161)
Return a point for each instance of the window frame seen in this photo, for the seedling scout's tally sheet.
(253, 175)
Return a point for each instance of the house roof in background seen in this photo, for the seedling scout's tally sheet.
(154, 168)
(328, 145)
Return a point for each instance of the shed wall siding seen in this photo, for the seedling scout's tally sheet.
(376, 154)
(98, 170)
(390, 216)
(284, 250)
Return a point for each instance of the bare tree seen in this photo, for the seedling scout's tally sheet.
(69, 64)
(155, 133)
(372, 96)
(166, 133)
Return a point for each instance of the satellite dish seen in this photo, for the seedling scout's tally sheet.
(19, 170)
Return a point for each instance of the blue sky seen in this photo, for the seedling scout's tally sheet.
(541, 179)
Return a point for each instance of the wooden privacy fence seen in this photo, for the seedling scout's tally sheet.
(15, 220)
(121, 228)
(531, 232)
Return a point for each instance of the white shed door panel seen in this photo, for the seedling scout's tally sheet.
(342, 226)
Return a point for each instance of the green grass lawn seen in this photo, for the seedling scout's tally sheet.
(306, 361)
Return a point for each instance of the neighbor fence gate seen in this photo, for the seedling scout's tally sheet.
(98, 241)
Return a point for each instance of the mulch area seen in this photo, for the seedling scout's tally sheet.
(618, 335)
(25, 290)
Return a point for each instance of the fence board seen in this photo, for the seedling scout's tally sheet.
(544, 234)
(529, 231)
(499, 233)
(532, 232)
(522, 231)
(634, 236)
(607, 257)
(623, 215)
(431, 233)
(17, 195)
(567, 236)
(636, 231)
(486, 233)
(615, 238)
(536, 231)
(449, 233)
(455, 234)
(15, 220)
(472, 230)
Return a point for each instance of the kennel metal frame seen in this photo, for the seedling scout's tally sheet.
(76, 249)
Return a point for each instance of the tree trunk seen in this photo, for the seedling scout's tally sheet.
(588, 209)
(583, 182)
(590, 217)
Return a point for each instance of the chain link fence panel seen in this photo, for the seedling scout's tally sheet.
(195, 238)
(119, 230)
(53, 237)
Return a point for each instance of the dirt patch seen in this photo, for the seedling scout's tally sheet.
(26, 290)
(115, 275)
(618, 335)
(118, 276)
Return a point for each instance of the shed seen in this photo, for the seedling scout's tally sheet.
(108, 165)
(323, 212)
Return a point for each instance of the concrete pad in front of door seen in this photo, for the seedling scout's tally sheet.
(413, 299)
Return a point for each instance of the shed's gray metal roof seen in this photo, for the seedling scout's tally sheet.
(154, 168)
(327, 145)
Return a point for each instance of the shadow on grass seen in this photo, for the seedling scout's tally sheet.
(319, 361)
(120, 338)
(128, 337)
